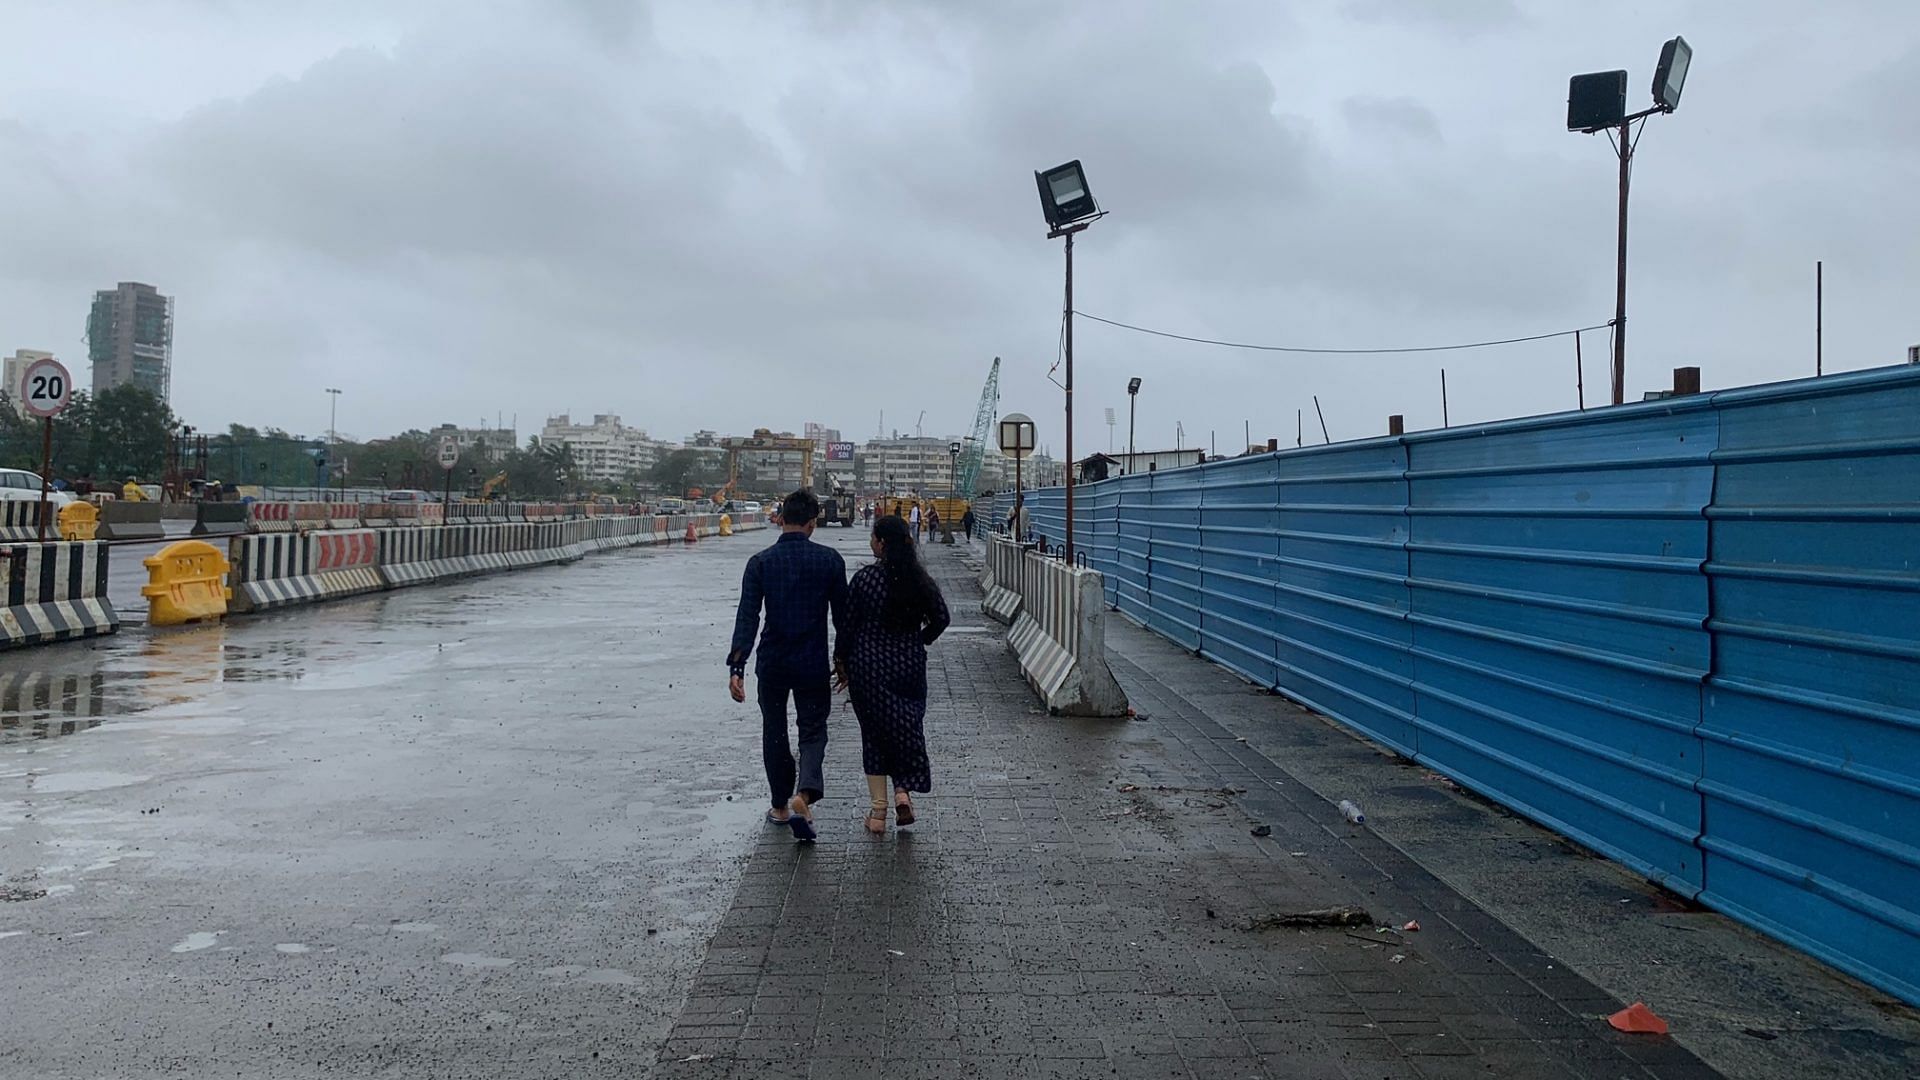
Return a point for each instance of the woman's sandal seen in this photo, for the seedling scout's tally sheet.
(876, 821)
(902, 810)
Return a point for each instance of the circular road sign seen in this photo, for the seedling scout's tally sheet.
(46, 389)
(449, 453)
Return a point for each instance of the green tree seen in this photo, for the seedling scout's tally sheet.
(131, 430)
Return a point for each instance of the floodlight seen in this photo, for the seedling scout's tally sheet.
(1596, 101)
(1671, 74)
(1064, 197)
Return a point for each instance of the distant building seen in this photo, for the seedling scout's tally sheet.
(16, 369)
(1158, 460)
(496, 440)
(130, 339)
(909, 463)
(605, 451)
(832, 457)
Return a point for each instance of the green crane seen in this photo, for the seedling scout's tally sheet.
(974, 451)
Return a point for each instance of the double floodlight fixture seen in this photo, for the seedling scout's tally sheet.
(1064, 195)
(1598, 101)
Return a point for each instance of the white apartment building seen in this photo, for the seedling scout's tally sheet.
(15, 370)
(496, 440)
(605, 451)
(922, 465)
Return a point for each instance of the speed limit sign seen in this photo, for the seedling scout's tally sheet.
(46, 389)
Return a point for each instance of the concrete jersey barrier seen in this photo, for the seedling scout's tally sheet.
(20, 520)
(123, 520)
(1002, 580)
(280, 569)
(54, 592)
(1060, 637)
(220, 519)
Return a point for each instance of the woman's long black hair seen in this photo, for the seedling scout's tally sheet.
(911, 591)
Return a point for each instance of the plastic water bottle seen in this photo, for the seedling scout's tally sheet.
(1352, 812)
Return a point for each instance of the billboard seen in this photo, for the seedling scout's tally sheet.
(839, 451)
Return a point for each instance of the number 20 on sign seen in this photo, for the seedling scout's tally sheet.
(45, 390)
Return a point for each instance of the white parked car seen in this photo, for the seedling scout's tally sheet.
(19, 485)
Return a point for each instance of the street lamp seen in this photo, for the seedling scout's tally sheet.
(953, 488)
(1598, 102)
(333, 433)
(1133, 396)
(1068, 205)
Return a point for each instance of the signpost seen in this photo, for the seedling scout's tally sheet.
(1016, 439)
(449, 457)
(45, 391)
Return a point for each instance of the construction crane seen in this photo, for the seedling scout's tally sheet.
(764, 440)
(974, 451)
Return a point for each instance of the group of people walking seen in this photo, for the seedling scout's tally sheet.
(882, 623)
(920, 525)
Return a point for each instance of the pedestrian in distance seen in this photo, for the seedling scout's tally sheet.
(131, 491)
(802, 585)
(966, 523)
(915, 522)
(894, 611)
(933, 522)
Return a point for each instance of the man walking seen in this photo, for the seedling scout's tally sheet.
(966, 523)
(801, 584)
(915, 522)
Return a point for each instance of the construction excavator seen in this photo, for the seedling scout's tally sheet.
(497, 480)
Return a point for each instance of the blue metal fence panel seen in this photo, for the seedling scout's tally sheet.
(1559, 621)
(1812, 718)
(1239, 551)
(1340, 631)
(1132, 549)
(1173, 553)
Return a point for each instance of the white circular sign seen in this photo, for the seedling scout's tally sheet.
(46, 389)
(449, 453)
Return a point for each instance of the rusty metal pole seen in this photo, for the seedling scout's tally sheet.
(1069, 346)
(1396, 425)
(46, 473)
(1620, 279)
(1579, 374)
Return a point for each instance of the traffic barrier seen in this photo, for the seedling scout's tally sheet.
(382, 515)
(55, 591)
(219, 519)
(19, 520)
(78, 521)
(273, 570)
(1060, 636)
(1002, 581)
(185, 583)
(346, 515)
(123, 520)
(270, 517)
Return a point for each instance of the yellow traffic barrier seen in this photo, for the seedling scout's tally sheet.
(726, 525)
(78, 521)
(184, 584)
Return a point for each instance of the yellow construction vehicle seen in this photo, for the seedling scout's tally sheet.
(496, 480)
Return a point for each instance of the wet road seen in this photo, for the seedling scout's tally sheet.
(478, 829)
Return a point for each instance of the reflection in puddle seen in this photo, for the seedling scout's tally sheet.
(42, 704)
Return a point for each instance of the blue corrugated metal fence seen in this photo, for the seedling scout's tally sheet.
(1684, 633)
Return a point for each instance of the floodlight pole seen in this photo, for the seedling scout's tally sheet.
(1620, 271)
(1067, 231)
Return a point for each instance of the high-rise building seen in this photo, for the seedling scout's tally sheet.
(606, 450)
(130, 339)
(15, 370)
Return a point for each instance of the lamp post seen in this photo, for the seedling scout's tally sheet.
(333, 432)
(953, 489)
(1133, 396)
(1598, 102)
(1069, 207)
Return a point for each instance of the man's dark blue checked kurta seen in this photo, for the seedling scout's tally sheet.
(802, 584)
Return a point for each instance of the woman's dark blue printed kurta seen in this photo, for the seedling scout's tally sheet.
(887, 679)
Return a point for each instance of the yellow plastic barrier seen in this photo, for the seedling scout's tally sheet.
(184, 584)
(78, 521)
(726, 525)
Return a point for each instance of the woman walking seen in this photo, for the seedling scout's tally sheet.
(894, 612)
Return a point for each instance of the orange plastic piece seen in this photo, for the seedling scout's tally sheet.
(1638, 1018)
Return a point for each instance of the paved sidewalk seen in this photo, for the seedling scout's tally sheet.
(1082, 899)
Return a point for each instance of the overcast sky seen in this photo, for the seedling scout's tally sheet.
(730, 214)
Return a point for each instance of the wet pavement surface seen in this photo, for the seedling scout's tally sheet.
(483, 828)
(510, 827)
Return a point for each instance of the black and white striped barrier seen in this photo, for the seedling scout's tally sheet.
(1060, 636)
(55, 591)
(20, 520)
(272, 570)
(1001, 581)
